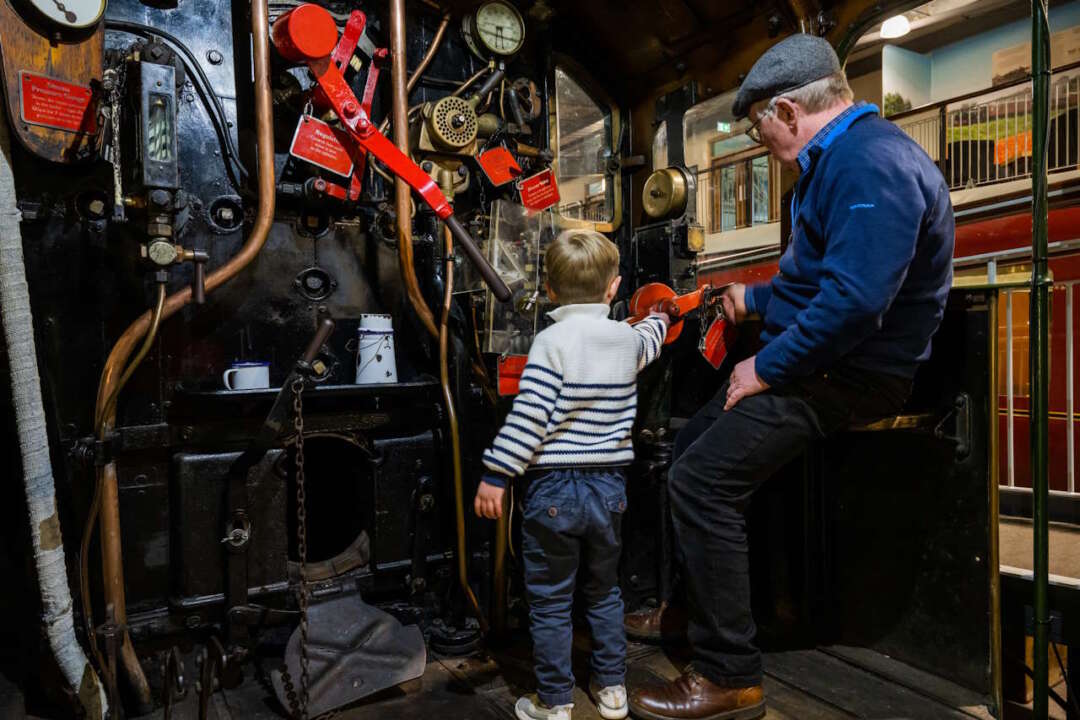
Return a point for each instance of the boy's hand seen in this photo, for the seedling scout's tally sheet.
(489, 501)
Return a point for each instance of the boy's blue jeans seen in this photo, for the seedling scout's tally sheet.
(573, 519)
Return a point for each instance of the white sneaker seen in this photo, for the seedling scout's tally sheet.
(529, 707)
(610, 701)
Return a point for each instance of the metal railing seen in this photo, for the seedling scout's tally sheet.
(985, 137)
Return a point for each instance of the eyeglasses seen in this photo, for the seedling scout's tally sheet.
(754, 132)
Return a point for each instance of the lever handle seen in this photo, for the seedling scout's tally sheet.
(198, 279)
(491, 278)
(322, 334)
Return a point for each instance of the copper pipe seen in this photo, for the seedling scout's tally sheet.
(429, 55)
(502, 540)
(95, 503)
(436, 41)
(112, 565)
(455, 435)
(400, 110)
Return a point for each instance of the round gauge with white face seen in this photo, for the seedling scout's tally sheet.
(496, 28)
(68, 14)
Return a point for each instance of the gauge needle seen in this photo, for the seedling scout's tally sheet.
(68, 15)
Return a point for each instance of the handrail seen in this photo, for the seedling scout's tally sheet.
(1026, 80)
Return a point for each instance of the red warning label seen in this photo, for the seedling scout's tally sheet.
(318, 143)
(539, 191)
(56, 104)
(499, 166)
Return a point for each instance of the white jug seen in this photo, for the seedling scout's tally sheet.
(375, 362)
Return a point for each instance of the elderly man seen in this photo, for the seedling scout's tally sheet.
(847, 320)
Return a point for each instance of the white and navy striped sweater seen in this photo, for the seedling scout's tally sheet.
(578, 394)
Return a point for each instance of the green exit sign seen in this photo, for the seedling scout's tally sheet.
(724, 127)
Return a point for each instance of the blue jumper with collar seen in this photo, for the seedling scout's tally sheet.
(865, 277)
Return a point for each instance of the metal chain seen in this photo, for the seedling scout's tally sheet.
(298, 702)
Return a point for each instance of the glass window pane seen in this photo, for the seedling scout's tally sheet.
(583, 128)
(727, 198)
(659, 147)
(759, 198)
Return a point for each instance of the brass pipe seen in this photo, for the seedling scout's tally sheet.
(400, 110)
(112, 565)
(455, 435)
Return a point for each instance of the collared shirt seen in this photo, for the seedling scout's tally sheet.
(825, 136)
(822, 140)
(593, 310)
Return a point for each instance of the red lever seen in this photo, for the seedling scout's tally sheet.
(659, 296)
(287, 34)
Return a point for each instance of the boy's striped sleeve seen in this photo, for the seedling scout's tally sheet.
(651, 333)
(526, 426)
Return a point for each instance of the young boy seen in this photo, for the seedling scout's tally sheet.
(569, 433)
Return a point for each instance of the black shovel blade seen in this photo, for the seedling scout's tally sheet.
(355, 650)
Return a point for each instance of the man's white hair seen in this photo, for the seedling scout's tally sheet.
(821, 94)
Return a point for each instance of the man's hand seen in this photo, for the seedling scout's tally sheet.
(489, 501)
(744, 382)
(733, 300)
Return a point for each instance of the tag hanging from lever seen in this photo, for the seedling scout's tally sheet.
(717, 339)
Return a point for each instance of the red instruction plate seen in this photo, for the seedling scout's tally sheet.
(499, 166)
(318, 143)
(509, 373)
(539, 191)
(56, 104)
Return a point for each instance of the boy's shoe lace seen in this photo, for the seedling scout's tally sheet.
(610, 701)
(529, 707)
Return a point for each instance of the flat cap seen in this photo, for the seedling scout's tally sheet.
(789, 64)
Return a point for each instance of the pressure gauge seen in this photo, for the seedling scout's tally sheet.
(68, 14)
(161, 252)
(494, 28)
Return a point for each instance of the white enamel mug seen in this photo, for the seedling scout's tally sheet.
(247, 376)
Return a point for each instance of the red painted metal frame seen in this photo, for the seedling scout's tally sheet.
(353, 117)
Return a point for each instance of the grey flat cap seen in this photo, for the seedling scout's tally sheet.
(789, 64)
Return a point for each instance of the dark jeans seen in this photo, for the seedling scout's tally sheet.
(573, 518)
(721, 458)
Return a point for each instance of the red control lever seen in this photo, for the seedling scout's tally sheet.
(307, 34)
(658, 296)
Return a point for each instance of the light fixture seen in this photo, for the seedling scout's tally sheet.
(894, 27)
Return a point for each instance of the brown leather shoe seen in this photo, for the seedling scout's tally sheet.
(692, 697)
(665, 622)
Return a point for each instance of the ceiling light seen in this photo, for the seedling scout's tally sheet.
(894, 27)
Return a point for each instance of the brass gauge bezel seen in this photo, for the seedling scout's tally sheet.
(474, 38)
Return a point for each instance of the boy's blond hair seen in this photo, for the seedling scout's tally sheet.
(580, 265)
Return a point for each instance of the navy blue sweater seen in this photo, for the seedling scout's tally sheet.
(865, 277)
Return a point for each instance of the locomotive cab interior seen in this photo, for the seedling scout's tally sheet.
(272, 270)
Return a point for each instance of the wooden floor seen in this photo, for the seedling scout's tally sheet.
(821, 684)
